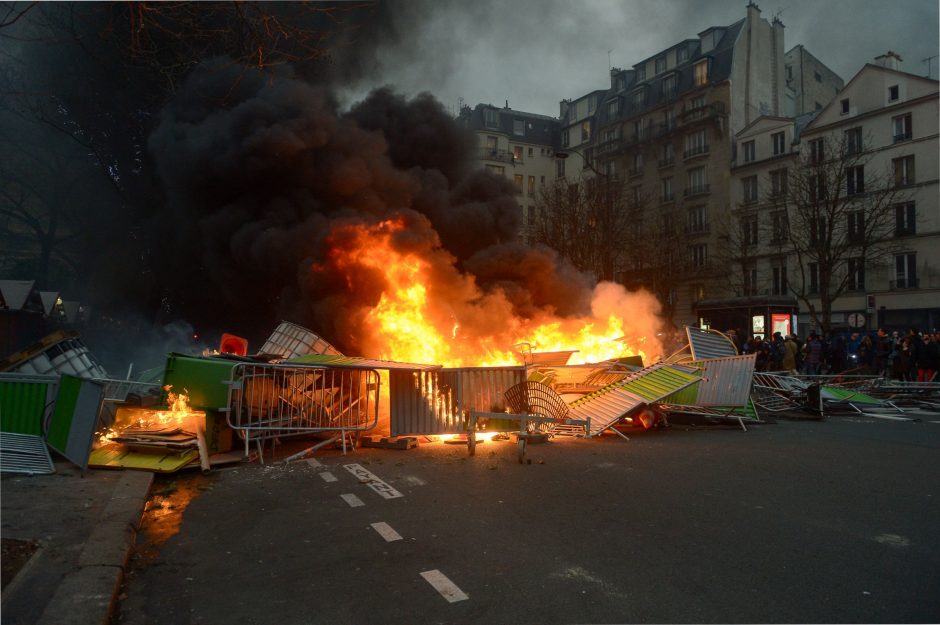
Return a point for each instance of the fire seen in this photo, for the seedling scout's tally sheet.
(429, 312)
(178, 413)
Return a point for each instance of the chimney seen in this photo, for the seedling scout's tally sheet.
(889, 60)
(753, 11)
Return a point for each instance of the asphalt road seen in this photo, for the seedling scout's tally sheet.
(809, 522)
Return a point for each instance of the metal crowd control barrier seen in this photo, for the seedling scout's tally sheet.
(272, 401)
(439, 401)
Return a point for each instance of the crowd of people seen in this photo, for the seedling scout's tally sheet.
(913, 356)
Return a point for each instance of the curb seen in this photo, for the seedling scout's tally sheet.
(87, 595)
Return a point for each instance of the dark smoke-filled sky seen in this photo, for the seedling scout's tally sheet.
(535, 53)
(203, 190)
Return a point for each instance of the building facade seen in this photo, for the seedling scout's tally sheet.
(518, 146)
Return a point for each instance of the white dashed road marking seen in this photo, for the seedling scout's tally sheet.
(444, 586)
(314, 463)
(328, 477)
(385, 531)
(352, 500)
(372, 481)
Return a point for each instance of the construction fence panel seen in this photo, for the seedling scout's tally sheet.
(433, 402)
(275, 401)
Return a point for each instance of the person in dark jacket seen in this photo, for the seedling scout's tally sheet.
(837, 354)
(813, 355)
(883, 348)
(929, 363)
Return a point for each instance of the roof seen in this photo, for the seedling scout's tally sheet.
(14, 293)
(538, 129)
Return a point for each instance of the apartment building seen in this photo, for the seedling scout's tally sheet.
(666, 129)
(519, 146)
(810, 85)
(880, 134)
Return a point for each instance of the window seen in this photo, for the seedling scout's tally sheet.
(855, 267)
(639, 98)
(491, 118)
(661, 65)
(698, 292)
(778, 139)
(496, 169)
(696, 143)
(682, 54)
(530, 215)
(817, 76)
(669, 154)
(491, 143)
(893, 93)
(669, 86)
(780, 226)
(902, 127)
(517, 179)
(517, 153)
(701, 73)
(748, 148)
(699, 254)
(813, 270)
(667, 195)
(696, 104)
(903, 171)
(610, 169)
(853, 140)
(592, 104)
(750, 281)
(819, 191)
(637, 164)
(698, 219)
(565, 140)
(613, 108)
(817, 231)
(856, 225)
(586, 130)
(560, 168)
(531, 152)
(905, 271)
(749, 230)
(637, 193)
(697, 181)
(778, 182)
(518, 127)
(817, 151)
(749, 188)
(904, 219)
(855, 180)
(669, 119)
(779, 284)
(845, 106)
(531, 188)
(641, 73)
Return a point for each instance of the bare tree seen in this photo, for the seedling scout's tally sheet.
(587, 222)
(835, 215)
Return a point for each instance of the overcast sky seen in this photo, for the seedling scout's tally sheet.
(537, 52)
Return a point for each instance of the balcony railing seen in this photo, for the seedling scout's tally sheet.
(904, 136)
(696, 229)
(503, 156)
(696, 190)
(695, 151)
(635, 171)
(904, 283)
(666, 162)
(905, 232)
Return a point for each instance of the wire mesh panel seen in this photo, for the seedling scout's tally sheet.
(276, 401)
(440, 401)
(538, 400)
(290, 340)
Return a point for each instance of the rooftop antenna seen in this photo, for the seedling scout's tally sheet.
(929, 62)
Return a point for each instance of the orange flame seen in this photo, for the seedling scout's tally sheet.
(428, 312)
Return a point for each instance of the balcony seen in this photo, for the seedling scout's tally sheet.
(503, 156)
(667, 162)
(903, 283)
(696, 229)
(700, 189)
(905, 232)
(904, 136)
(635, 172)
(695, 151)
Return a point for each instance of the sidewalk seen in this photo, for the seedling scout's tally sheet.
(85, 528)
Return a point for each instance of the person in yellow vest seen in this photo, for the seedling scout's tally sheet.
(790, 349)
